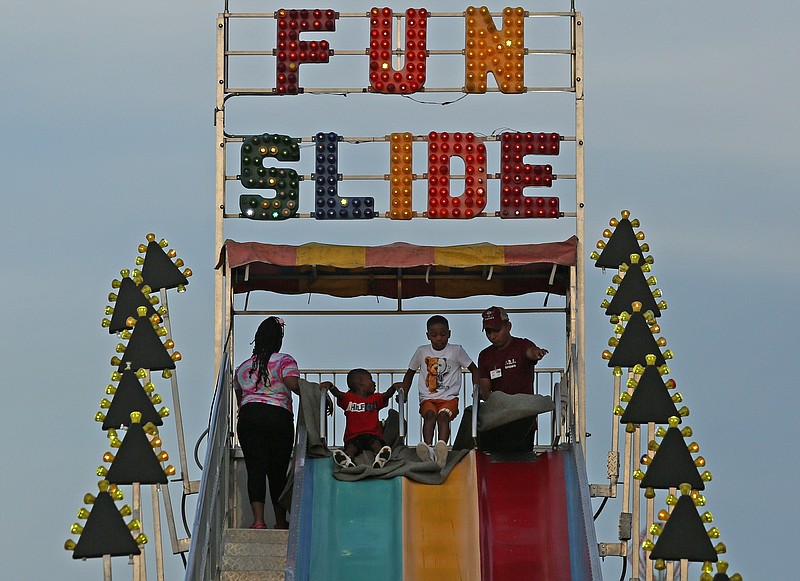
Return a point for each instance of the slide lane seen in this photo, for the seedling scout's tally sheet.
(355, 528)
(440, 527)
(534, 520)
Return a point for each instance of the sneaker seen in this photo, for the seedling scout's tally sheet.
(441, 453)
(382, 457)
(425, 452)
(342, 459)
(258, 525)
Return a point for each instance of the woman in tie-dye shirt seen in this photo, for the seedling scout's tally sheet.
(263, 385)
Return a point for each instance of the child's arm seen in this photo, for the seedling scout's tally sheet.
(407, 379)
(387, 395)
(328, 386)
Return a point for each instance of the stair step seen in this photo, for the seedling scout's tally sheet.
(251, 576)
(257, 536)
(253, 563)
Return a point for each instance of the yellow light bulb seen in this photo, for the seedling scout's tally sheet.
(105, 323)
(674, 421)
(707, 567)
(181, 288)
(699, 461)
(162, 332)
(146, 289)
(83, 513)
(616, 279)
(640, 235)
(606, 354)
(162, 310)
(607, 233)
(103, 485)
(116, 361)
(661, 432)
(76, 529)
(100, 417)
(630, 428)
(661, 342)
(115, 442)
(693, 447)
(663, 514)
(720, 549)
(69, 545)
(707, 517)
(150, 237)
(101, 471)
(163, 412)
(617, 371)
(683, 412)
(156, 399)
(648, 545)
(88, 498)
(120, 348)
(638, 369)
(706, 476)
(650, 359)
(652, 445)
(112, 297)
(619, 410)
(139, 260)
(125, 334)
(671, 500)
(594, 255)
(625, 397)
(149, 386)
(141, 373)
(170, 470)
(108, 311)
(713, 533)
(166, 374)
(687, 432)
(150, 428)
(656, 293)
(685, 488)
(108, 457)
(655, 529)
(169, 343)
(156, 442)
(638, 474)
(611, 291)
(646, 460)
(126, 510)
(601, 245)
(176, 356)
(660, 565)
(136, 417)
(110, 389)
(663, 370)
(105, 404)
(155, 319)
(187, 272)
(613, 342)
(141, 539)
(117, 494)
(649, 493)
(163, 243)
(142, 248)
(677, 397)
(134, 525)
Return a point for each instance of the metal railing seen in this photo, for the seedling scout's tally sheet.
(548, 381)
(212, 502)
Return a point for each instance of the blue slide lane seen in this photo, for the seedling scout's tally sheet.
(356, 527)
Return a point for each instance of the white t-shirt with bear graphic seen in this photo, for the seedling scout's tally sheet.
(439, 371)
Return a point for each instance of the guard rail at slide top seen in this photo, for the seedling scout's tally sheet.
(212, 501)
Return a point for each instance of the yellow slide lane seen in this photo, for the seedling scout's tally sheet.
(440, 527)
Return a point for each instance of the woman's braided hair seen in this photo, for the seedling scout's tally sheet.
(268, 340)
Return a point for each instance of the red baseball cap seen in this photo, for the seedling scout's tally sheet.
(494, 317)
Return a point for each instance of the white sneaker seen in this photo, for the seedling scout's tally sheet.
(382, 457)
(441, 451)
(342, 459)
(425, 452)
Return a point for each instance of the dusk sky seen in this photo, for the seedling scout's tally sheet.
(108, 134)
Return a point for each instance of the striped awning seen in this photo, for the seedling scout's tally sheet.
(400, 270)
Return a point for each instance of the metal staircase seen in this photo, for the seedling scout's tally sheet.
(250, 555)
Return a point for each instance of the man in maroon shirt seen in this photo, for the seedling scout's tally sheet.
(507, 365)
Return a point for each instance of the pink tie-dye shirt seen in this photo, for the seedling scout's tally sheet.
(275, 391)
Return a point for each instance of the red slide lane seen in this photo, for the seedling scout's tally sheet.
(523, 513)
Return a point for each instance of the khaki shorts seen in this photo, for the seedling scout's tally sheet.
(449, 406)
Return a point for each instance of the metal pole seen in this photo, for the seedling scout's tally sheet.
(157, 532)
(106, 567)
(650, 504)
(579, 230)
(219, 210)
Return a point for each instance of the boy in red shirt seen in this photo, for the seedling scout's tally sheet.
(363, 430)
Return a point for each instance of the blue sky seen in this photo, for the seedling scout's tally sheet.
(107, 135)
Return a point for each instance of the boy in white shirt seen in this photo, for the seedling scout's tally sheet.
(439, 383)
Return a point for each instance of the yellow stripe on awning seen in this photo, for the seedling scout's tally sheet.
(331, 255)
(469, 255)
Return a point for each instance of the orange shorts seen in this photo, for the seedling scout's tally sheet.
(449, 406)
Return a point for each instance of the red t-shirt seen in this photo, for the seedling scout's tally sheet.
(508, 369)
(361, 414)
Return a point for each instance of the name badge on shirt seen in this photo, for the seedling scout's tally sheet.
(495, 373)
